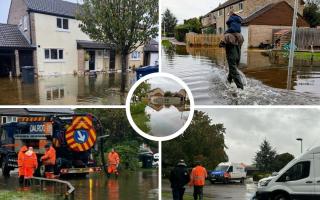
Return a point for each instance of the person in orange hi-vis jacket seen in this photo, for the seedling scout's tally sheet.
(30, 163)
(21, 153)
(49, 158)
(197, 180)
(113, 163)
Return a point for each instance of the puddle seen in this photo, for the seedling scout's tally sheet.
(204, 71)
(104, 89)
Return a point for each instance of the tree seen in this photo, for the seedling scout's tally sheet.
(311, 13)
(281, 160)
(124, 24)
(142, 90)
(265, 157)
(169, 21)
(168, 94)
(202, 141)
(190, 25)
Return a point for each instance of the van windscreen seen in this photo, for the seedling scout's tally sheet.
(222, 168)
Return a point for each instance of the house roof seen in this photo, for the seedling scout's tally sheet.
(85, 44)
(152, 46)
(11, 37)
(54, 7)
(226, 4)
(254, 16)
(30, 111)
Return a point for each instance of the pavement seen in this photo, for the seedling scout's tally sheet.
(219, 191)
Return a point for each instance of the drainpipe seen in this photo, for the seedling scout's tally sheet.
(224, 23)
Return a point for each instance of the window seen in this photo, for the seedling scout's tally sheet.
(230, 169)
(25, 23)
(62, 23)
(299, 171)
(231, 7)
(53, 54)
(241, 6)
(220, 12)
(4, 120)
(220, 30)
(136, 55)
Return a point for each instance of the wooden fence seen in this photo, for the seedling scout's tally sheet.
(194, 39)
(307, 37)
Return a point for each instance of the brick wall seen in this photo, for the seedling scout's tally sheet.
(18, 9)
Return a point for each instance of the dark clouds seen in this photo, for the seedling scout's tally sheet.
(246, 129)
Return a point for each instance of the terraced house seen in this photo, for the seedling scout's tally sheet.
(46, 34)
(261, 18)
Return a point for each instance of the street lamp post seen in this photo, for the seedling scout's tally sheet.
(300, 140)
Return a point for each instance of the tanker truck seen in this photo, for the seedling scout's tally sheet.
(73, 137)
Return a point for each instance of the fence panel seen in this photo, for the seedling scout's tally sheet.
(194, 39)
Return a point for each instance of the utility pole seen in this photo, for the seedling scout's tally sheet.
(293, 41)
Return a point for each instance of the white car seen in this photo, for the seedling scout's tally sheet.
(226, 172)
(299, 179)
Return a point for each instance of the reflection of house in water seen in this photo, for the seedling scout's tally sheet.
(157, 96)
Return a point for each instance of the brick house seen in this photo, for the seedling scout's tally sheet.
(216, 19)
(55, 43)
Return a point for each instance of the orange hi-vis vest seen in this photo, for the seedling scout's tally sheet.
(198, 176)
(30, 163)
(49, 157)
(113, 158)
(20, 160)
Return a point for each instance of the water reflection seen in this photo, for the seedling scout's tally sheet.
(129, 185)
(66, 90)
(204, 70)
(166, 119)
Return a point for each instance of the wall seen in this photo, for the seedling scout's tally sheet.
(47, 36)
(261, 33)
(154, 59)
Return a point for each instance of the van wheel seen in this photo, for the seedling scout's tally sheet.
(281, 197)
(5, 168)
(242, 180)
(212, 182)
(226, 181)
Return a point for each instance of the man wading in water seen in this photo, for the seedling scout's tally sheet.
(233, 41)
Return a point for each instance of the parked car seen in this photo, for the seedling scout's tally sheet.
(226, 172)
(299, 179)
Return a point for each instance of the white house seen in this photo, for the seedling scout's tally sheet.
(56, 43)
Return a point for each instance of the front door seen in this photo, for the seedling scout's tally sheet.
(92, 59)
(112, 63)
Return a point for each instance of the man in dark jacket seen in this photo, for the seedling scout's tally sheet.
(179, 177)
(233, 42)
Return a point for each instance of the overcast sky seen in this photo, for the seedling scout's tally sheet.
(4, 9)
(166, 84)
(247, 128)
(187, 9)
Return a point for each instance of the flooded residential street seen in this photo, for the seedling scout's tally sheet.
(166, 119)
(66, 90)
(234, 191)
(130, 185)
(204, 70)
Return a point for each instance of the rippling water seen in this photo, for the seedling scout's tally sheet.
(266, 75)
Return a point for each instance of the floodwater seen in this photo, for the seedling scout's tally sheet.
(166, 119)
(265, 74)
(130, 185)
(66, 90)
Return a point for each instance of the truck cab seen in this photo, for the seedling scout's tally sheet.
(299, 179)
(65, 133)
(226, 172)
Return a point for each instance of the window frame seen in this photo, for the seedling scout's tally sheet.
(50, 59)
(138, 53)
(60, 21)
(241, 6)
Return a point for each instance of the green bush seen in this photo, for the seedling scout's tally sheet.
(180, 32)
(137, 108)
(260, 175)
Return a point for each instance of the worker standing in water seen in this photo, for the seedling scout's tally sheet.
(113, 163)
(49, 158)
(20, 164)
(197, 180)
(232, 42)
(30, 164)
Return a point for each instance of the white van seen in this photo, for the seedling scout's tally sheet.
(226, 172)
(299, 179)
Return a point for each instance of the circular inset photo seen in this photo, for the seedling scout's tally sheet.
(160, 106)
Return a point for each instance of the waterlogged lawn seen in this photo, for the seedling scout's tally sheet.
(25, 195)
